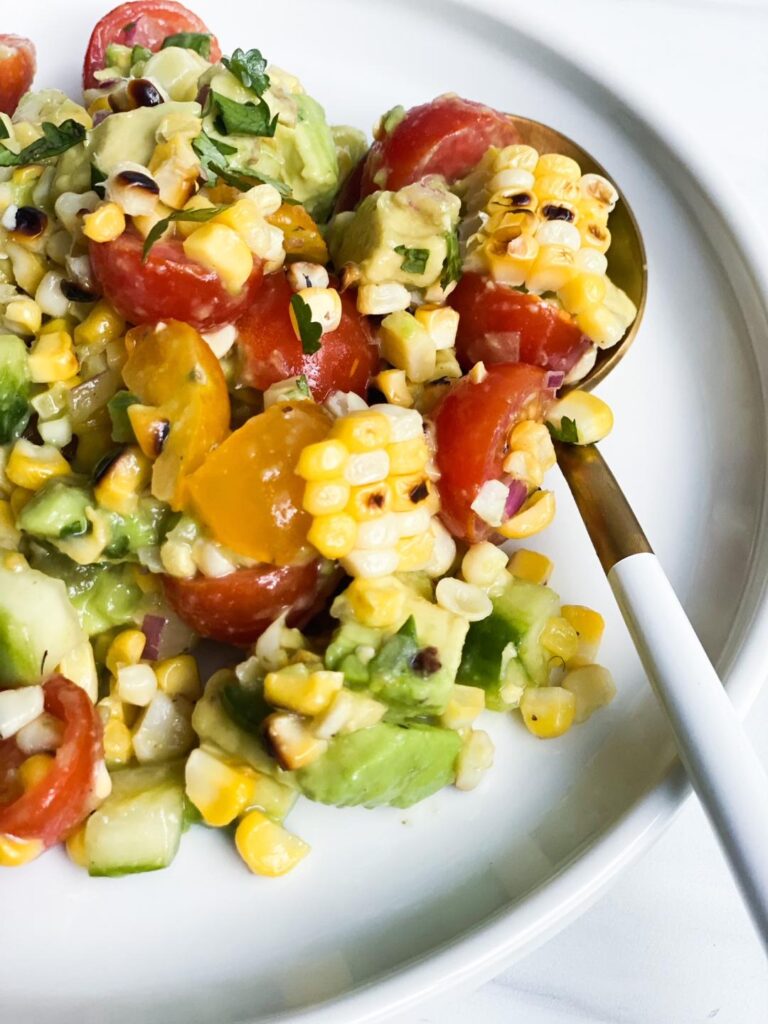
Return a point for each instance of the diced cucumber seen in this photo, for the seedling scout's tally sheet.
(14, 387)
(56, 511)
(141, 529)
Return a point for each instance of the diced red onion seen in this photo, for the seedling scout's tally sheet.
(153, 627)
(554, 379)
(99, 116)
(518, 492)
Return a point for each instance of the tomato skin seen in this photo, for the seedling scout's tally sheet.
(236, 609)
(140, 23)
(56, 805)
(500, 325)
(16, 71)
(472, 423)
(270, 350)
(168, 286)
(447, 136)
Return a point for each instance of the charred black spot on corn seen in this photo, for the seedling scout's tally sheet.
(419, 492)
(105, 465)
(29, 222)
(557, 211)
(426, 662)
(74, 293)
(135, 179)
(136, 92)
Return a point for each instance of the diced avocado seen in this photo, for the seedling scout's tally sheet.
(398, 236)
(56, 511)
(132, 135)
(14, 387)
(177, 70)
(213, 723)
(385, 764)
(143, 528)
(51, 106)
(351, 146)
(72, 173)
(341, 654)
(139, 825)
(38, 626)
(119, 57)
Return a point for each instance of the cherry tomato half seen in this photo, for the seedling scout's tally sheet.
(17, 69)
(270, 350)
(58, 803)
(236, 609)
(447, 136)
(143, 23)
(168, 286)
(500, 325)
(472, 425)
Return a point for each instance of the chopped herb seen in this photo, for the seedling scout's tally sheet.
(56, 139)
(309, 330)
(249, 68)
(4, 133)
(140, 53)
(201, 215)
(233, 118)
(452, 262)
(213, 155)
(98, 177)
(414, 260)
(200, 42)
(302, 385)
(567, 432)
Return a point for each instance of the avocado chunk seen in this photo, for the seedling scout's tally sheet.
(218, 718)
(56, 511)
(385, 764)
(132, 135)
(398, 236)
(14, 387)
(177, 70)
(143, 528)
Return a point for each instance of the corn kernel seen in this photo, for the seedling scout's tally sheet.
(368, 564)
(394, 386)
(441, 323)
(548, 711)
(30, 465)
(349, 712)
(333, 536)
(79, 666)
(52, 358)
(184, 228)
(592, 687)
(589, 626)
(559, 637)
(535, 515)
(592, 416)
(324, 307)
(136, 684)
(304, 693)
(34, 770)
(410, 491)
(524, 467)
(379, 603)
(126, 649)
(24, 314)
(323, 460)
(118, 745)
(407, 345)
(267, 848)
(219, 788)
(14, 853)
(75, 846)
(463, 599)
(407, 456)
(371, 501)
(531, 566)
(380, 299)
(119, 488)
(179, 677)
(363, 431)
(557, 163)
(293, 743)
(105, 223)
(223, 250)
(414, 554)
(475, 758)
(583, 292)
(326, 497)
(102, 325)
(464, 705)
(483, 563)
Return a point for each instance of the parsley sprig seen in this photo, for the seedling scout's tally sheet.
(202, 215)
(414, 260)
(214, 154)
(200, 42)
(233, 118)
(250, 68)
(452, 262)
(56, 139)
(567, 432)
(310, 331)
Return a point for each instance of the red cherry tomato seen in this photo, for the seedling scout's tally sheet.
(17, 69)
(472, 423)
(447, 136)
(143, 23)
(58, 803)
(500, 325)
(236, 609)
(169, 286)
(270, 350)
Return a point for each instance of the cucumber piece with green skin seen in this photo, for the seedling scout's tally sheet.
(14, 387)
(141, 529)
(139, 825)
(57, 511)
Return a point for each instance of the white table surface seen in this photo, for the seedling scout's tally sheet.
(671, 942)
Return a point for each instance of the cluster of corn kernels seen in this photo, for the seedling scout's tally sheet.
(420, 348)
(537, 221)
(370, 492)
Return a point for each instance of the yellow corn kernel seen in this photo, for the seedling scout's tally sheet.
(548, 711)
(179, 677)
(483, 563)
(557, 163)
(19, 498)
(102, 103)
(52, 358)
(223, 250)
(144, 222)
(105, 223)
(126, 649)
(414, 553)
(523, 157)
(464, 705)
(556, 187)
(582, 292)
(559, 637)
(532, 437)
(79, 666)
(324, 460)
(589, 626)
(24, 314)
(370, 501)
(9, 535)
(219, 788)
(509, 260)
(407, 456)
(14, 561)
(197, 202)
(531, 566)
(29, 268)
(379, 603)
(333, 536)
(594, 235)
(325, 497)
(441, 323)
(324, 309)
(292, 741)
(592, 687)
(407, 345)
(535, 515)
(34, 769)
(271, 796)
(14, 853)
(363, 431)
(119, 488)
(118, 744)
(474, 760)
(30, 465)
(307, 693)
(394, 386)
(75, 846)
(591, 415)
(267, 848)
(410, 491)
(552, 269)
(175, 167)
(103, 324)
(525, 467)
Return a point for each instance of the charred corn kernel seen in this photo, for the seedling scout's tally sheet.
(475, 758)
(532, 437)
(324, 307)
(219, 788)
(179, 677)
(307, 693)
(75, 846)
(271, 796)
(592, 687)
(31, 465)
(118, 745)
(333, 536)
(583, 292)
(408, 346)
(105, 223)
(24, 315)
(14, 853)
(509, 260)
(136, 684)
(369, 564)
(407, 456)
(307, 275)
(552, 269)
(525, 467)
(102, 325)
(394, 386)
(28, 267)
(464, 599)
(223, 250)
(126, 649)
(464, 705)
(363, 431)
(379, 603)
(349, 712)
(441, 323)
(535, 515)
(325, 497)
(410, 491)
(266, 847)
(324, 460)
(482, 564)
(531, 566)
(589, 626)
(292, 741)
(119, 488)
(382, 299)
(184, 228)
(370, 501)
(595, 235)
(79, 666)
(52, 358)
(598, 189)
(34, 769)
(149, 427)
(548, 711)
(592, 416)
(175, 167)
(559, 637)
(415, 553)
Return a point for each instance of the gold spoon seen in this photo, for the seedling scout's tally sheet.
(721, 764)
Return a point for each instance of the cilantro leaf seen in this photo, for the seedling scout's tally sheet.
(233, 118)
(309, 331)
(199, 216)
(4, 133)
(249, 68)
(567, 432)
(302, 385)
(56, 139)
(98, 177)
(414, 260)
(452, 262)
(213, 155)
(200, 42)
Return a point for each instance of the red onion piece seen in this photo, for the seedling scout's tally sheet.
(153, 627)
(554, 379)
(518, 492)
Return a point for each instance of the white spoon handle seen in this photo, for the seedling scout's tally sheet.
(721, 763)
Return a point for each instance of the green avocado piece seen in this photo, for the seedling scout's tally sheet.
(132, 135)
(351, 146)
(14, 387)
(143, 528)
(56, 511)
(385, 764)
(213, 722)
(177, 70)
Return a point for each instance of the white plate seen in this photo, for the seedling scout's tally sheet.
(393, 906)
